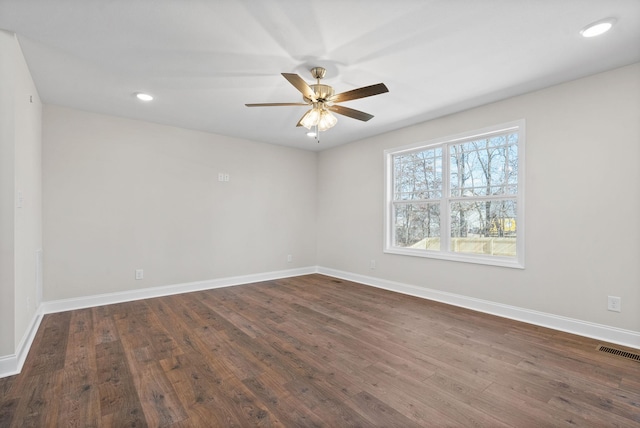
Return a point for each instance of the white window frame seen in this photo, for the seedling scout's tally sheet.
(445, 230)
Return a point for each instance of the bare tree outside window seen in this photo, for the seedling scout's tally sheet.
(458, 197)
(418, 189)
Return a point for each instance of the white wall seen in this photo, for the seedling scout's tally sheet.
(7, 189)
(20, 174)
(582, 204)
(28, 185)
(122, 194)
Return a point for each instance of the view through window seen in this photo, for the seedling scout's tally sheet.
(460, 198)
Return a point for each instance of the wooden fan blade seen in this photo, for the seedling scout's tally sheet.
(300, 85)
(276, 104)
(363, 92)
(355, 114)
(300, 121)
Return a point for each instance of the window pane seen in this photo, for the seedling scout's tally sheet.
(484, 227)
(456, 199)
(484, 167)
(417, 226)
(512, 169)
(418, 175)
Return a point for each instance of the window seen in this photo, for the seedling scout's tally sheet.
(459, 198)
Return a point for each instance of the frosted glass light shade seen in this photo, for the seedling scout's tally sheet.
(327, 120)
(311, 118)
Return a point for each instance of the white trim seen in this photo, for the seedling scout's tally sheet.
(8, 365)
(147, 293)
(481, 259)
(12, 364)
(570, 325)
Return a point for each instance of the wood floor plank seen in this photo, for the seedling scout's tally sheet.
(6, 384)
(104, 325)
(393, 393)
(380, 414)
(306, 363)
(517, 409)
(8, 409)
(442, 400)
(52, 337)
(119, 400)
(614, 401)
(40, 407)
(81, 401)
(279, 402)
(198, 387)
(198, 312)
(323, 403)
(201, 415)
(311, 351)
(590, 414)
(158, 397)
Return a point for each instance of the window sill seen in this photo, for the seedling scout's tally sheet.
(508, 262)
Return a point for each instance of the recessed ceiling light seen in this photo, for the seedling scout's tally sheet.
(598, 27)
(311, 134)
(143, 96)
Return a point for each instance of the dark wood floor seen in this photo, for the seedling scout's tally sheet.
(311, 351)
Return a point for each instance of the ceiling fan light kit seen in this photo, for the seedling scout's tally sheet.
(326, 121)
(319, 117)
(310, 118)
(323, 101)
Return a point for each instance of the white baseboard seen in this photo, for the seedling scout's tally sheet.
(12, 364)
(147, 293)
(556, 322)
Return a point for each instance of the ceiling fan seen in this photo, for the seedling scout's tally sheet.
(323, 100)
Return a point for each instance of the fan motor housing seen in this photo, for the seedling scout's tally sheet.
(323, 92)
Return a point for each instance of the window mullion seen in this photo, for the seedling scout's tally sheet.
(445, 216)
(483, 198)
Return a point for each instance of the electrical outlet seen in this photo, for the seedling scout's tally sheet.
(289, 258)
(614, 304)
(139, 273)
(372, 264)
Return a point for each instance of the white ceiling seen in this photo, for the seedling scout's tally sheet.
(204, 59)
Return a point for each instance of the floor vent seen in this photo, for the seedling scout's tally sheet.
(619, 352)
